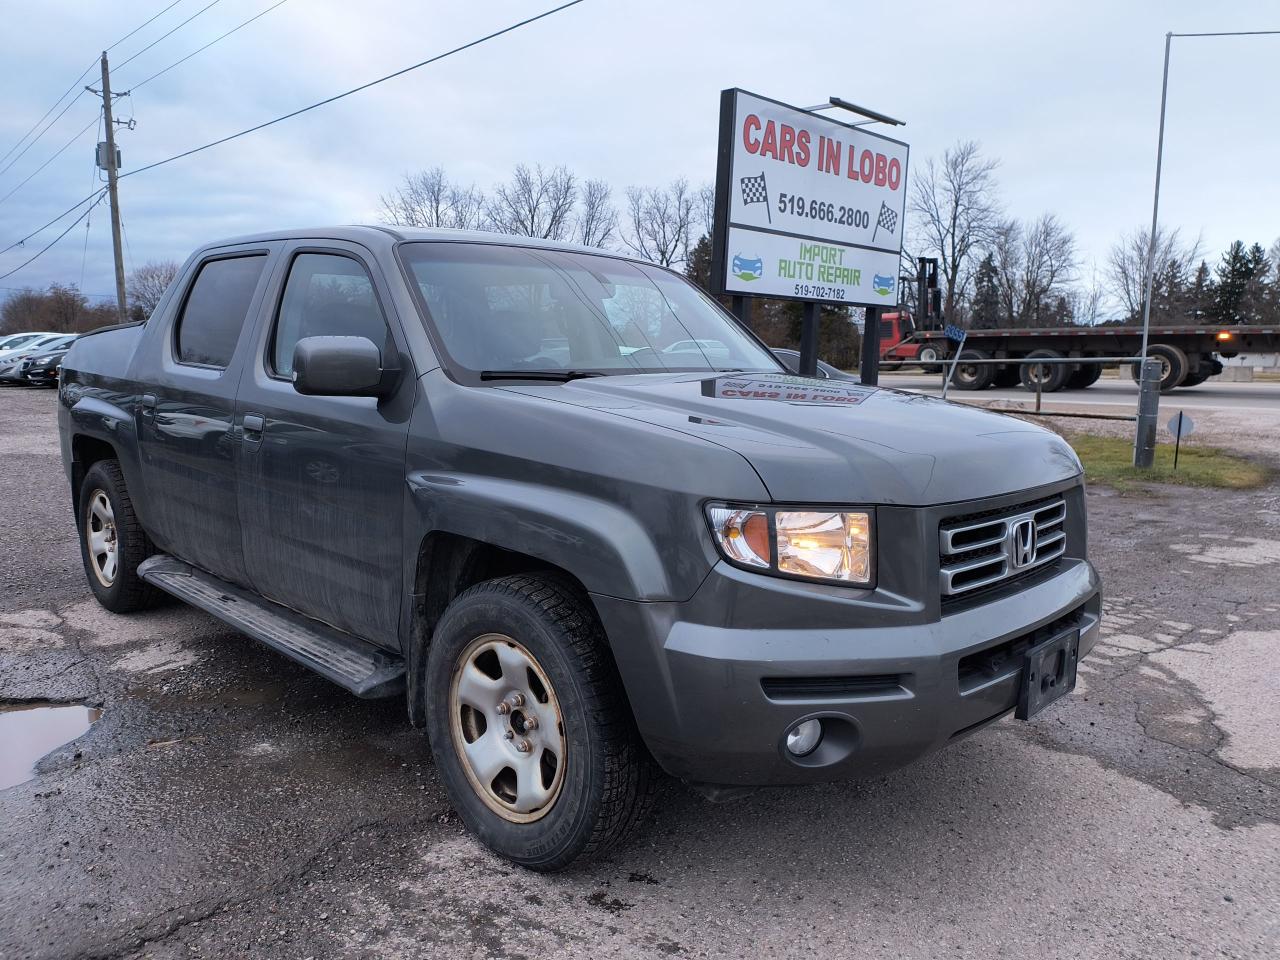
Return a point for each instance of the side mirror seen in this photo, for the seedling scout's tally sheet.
(341, 367)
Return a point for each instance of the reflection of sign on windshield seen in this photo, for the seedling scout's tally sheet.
(786, 390)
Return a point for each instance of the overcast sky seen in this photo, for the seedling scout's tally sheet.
(1065, 95)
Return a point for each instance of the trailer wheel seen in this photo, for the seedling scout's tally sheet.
(1049, 377)
(1086, 375)
(973, 376)
(1173, 366)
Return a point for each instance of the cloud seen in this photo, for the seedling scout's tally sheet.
(1067, 100)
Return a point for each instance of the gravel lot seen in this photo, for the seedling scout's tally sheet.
(228, 802)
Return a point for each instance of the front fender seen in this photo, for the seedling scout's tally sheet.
(597, 541)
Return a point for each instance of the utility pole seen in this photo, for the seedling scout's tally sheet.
(112, 190)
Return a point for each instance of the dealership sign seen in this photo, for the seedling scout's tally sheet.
(807, 208)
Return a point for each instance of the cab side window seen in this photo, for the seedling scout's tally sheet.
(327, 295)
(215, 310)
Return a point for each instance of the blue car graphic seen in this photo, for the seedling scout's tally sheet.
(745, 269)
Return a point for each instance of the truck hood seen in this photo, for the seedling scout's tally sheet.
(823, 441)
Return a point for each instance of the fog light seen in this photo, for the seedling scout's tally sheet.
(803, 737)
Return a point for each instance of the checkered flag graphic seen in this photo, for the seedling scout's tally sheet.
(755, 191)
(887, 219)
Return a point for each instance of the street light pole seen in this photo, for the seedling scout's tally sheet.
(1149, 279)
(1155, 203)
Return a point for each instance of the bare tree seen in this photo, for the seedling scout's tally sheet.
(1049, 260)
(659, 220)
(1086, 299)
(536, 202)
(1127, 263)
(956, 213)
(430, 199)
(597, 220)
(1034, 263)
(1005, 246)
(147, 284)
(707, 208)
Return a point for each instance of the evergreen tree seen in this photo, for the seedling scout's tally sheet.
(986, 296)
(1255, 301)
(698, 267)
(1200, 296)
(1233, 278)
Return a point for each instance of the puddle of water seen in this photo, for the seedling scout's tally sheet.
(28, 731)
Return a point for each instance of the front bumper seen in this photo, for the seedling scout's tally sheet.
(715, 682)
(41, 376)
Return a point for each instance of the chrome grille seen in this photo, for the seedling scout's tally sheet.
(986, 549)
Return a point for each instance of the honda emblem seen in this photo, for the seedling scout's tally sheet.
(1022, 543)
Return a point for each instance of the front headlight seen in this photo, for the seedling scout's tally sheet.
(831, 545)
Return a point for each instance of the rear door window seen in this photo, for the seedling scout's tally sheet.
(216, 308)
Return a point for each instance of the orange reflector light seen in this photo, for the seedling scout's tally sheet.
(1224, 334)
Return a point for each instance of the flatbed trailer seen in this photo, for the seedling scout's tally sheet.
(1188, 355)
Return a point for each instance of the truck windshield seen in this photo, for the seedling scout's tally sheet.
(500, 310)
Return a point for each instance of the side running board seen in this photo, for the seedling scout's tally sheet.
(364, 669)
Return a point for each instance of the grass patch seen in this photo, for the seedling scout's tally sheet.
(1109, 460)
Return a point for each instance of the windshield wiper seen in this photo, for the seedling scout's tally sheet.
(556, 376)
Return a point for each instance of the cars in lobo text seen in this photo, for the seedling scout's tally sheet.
(471, 471)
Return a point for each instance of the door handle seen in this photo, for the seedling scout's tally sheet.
(148, 404)
(253, 424)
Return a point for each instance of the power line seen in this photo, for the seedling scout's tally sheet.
(75, 206)
(364, 86)
(97, 197)
(144, 24)
(92, 123)
(88, 223)
(162, 36)
(206, 46)
(69, 90)
(70, 103)
(77, 82)
(45, 249)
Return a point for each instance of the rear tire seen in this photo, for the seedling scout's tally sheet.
(1051, 376)
(1007, 377)
(1085, 375)
(1173, 366)
(578, 780)
(112, 541)
(973, 376)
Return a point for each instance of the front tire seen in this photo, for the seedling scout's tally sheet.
(112, 541)
(930, 359)
(529, 725)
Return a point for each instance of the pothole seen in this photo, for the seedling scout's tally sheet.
(29, 731)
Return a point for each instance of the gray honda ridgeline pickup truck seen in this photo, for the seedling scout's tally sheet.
(580, 518)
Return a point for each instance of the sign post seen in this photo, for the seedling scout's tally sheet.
(1180, 425)
(808, 209)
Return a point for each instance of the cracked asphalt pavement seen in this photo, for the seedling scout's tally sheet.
(229, 803)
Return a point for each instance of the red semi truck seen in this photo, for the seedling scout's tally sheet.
(1188, 355)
